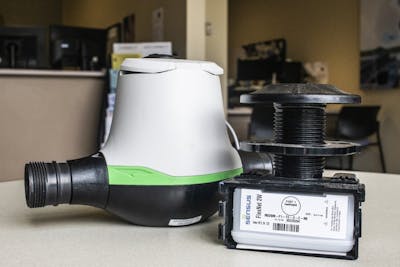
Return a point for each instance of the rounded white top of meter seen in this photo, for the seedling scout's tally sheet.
(84, 236)
(157, 65)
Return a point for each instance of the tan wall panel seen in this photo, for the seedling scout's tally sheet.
(47, 118)
(217, 42)
(195, 29)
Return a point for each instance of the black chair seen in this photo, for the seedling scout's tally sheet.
(357, 124)
(261, 123)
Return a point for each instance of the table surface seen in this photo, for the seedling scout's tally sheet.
(85, 236)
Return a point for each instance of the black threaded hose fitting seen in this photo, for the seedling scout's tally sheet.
(299, 124)
(47, 184)
(80, 181)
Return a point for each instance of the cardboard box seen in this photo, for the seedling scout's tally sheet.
(143, 49)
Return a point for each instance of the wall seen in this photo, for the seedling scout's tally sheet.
(389, 118)
(212, 47)
(45, 118)
(30, 12)
(103, 13)
(184, 24)
(314, 30)
(217, 41)
(195, 31)
(319, 30)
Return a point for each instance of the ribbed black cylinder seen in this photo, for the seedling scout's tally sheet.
(47, 184)
(35, 184)
(299, 167)
(299, 124)
(80, 181)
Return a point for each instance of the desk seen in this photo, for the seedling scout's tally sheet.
(85, 236)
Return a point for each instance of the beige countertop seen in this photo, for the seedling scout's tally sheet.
(52, 73)
(85, 236)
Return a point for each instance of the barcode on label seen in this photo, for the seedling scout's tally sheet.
(285, 227)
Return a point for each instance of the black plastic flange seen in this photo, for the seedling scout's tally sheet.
(330, 148)
(300, 93)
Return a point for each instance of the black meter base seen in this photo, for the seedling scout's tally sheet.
(293, 216)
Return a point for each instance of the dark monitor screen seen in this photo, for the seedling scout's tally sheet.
(259, 69)
(76, 47)
(263, 69)
(23, 47)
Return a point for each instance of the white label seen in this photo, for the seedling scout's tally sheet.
(182, 222)
(294, 214)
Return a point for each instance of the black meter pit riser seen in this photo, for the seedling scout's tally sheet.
(339, 183)
(299, 149)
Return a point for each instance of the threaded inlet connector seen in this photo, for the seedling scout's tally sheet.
(47, 184)
(35, 184)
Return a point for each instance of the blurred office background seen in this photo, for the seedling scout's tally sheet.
(53, 106)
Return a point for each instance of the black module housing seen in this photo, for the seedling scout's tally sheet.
(339, 183)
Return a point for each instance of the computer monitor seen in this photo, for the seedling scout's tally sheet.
(23, 47)
(77, 48)
(263, 69)
(257, 69)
